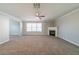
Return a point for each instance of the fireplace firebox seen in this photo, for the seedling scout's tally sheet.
(52, 32)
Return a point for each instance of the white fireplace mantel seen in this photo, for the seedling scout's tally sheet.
(53, 28)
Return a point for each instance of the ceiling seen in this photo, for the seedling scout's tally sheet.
(25, 11)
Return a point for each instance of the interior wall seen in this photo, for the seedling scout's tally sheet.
(4, 29)
(15, 27)
(45, 26)
(68, 27)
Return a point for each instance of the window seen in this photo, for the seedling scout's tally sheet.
(34, 27)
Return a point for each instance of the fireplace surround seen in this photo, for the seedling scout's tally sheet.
(52, 31)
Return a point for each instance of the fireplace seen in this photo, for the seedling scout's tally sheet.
(52, 31)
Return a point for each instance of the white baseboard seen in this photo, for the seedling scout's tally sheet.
(72, 42)
(4, 41)
(77, 44)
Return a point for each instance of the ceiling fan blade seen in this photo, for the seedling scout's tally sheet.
(41, 16)
(38, 18)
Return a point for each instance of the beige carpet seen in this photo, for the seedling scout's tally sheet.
(37, 45)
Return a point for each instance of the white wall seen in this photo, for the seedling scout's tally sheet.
(68, 27)
(13, 21)
(4, 29)
(45, 26)
(15, 27)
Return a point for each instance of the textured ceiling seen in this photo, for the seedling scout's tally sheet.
(26, 12)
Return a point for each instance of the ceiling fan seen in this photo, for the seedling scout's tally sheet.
(37, 11)
(38, 15)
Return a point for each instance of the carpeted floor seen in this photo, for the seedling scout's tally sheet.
(38, 45)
